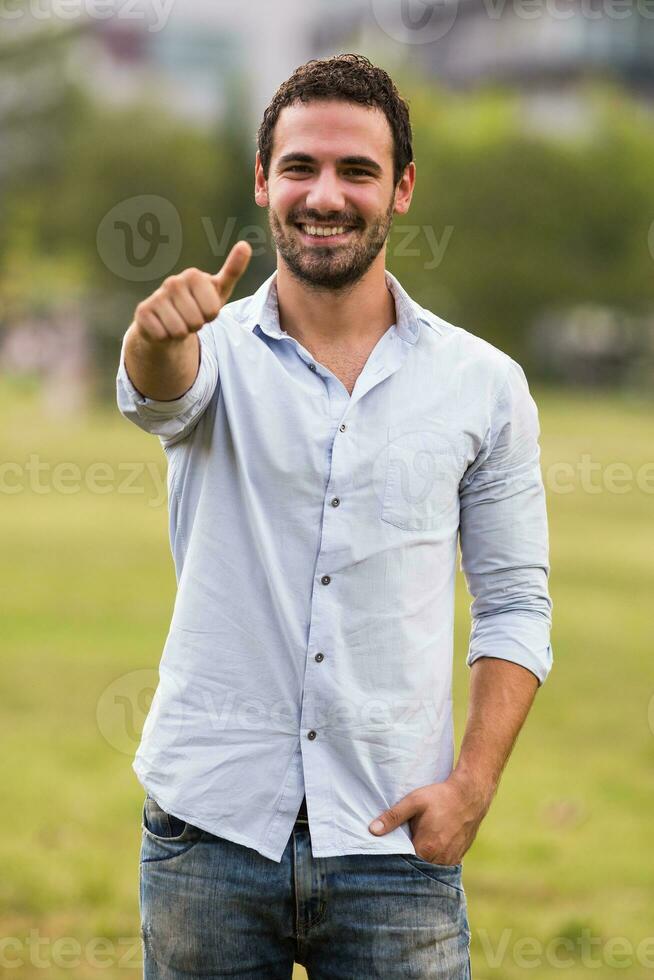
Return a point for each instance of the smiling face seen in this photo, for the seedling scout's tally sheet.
(330, 193)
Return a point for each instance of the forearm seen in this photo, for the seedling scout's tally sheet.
(162, 371)
(501, 694)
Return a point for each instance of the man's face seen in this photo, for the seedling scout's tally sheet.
(330, 192)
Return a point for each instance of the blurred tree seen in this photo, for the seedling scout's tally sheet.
(72, 163)
(526, 223)
(37, 105)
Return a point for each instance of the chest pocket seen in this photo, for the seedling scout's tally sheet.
(421, 487)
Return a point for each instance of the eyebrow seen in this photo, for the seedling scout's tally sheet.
(356, 161)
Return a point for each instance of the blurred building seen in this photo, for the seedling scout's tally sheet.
(532, 44)
(596, 345)
(203, 58)
(544, 51)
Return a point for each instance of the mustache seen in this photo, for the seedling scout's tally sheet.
(340, 219)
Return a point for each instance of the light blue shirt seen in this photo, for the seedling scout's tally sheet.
(314, 536)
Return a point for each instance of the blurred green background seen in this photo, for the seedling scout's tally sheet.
(126, 153)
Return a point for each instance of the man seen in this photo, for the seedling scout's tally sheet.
(328, 442)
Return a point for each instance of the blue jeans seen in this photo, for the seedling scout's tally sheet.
(211, 908)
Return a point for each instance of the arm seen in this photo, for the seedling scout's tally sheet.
(501, 695)
(168, 368)
(161, 372)
(504, 555)
(504, 535)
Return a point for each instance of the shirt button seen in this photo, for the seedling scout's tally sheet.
(312, 367)
(325, 580)
(343, 427)
(311, 734)
(335, 501)
(319, 657)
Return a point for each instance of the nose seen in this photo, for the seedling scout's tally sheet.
(325, 194)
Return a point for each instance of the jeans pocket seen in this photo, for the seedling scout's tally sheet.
(445, 874)
(170, 834)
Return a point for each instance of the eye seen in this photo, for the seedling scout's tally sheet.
(297, 166)
(357, 172)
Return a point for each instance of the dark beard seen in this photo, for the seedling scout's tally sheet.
(331, 268)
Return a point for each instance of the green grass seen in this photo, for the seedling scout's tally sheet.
(87, 587)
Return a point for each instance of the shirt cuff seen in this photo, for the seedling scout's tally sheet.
(170, 419)
(153, 407)
(522, 639)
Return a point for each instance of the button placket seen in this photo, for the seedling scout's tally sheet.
(333, 535)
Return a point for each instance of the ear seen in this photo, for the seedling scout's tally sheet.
(404, 190)
(260, 184)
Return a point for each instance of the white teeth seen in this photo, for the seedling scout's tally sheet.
(322, 232)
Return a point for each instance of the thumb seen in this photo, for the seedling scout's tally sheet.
(233, 268)
(394, 817)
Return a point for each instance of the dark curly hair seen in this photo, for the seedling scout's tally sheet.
(350, 78)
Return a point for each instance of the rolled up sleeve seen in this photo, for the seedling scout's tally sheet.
(172, 419)
(504, 536)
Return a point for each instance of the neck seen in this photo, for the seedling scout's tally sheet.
(351, 318)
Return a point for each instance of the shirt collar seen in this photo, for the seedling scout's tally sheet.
(263, 311)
